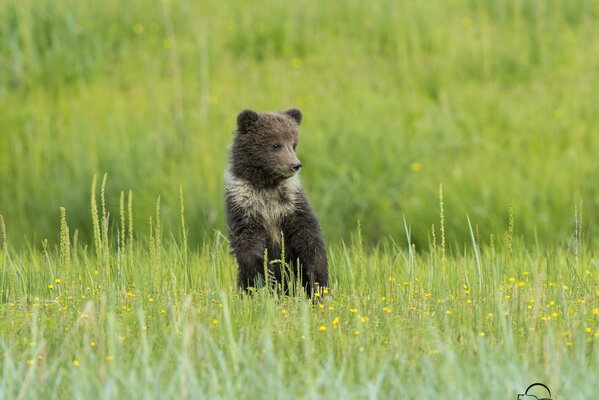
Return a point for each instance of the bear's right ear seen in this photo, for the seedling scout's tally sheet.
(245, 119)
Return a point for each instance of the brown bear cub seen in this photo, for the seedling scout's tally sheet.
(266, 206)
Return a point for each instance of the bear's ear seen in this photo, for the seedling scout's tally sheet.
(245, 119)
(295, 114)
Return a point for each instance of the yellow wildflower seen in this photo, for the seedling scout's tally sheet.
(138, 29)
(296, 62)
(415, 167)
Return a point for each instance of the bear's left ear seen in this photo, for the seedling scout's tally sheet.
(295, 114)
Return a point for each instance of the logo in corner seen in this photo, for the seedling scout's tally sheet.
(536, 391)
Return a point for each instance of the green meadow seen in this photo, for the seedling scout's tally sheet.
(449, 150)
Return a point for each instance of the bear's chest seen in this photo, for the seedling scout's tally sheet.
(268, 207)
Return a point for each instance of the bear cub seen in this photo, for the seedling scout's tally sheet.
(266, 206)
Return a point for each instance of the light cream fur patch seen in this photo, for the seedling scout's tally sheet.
(268, 205)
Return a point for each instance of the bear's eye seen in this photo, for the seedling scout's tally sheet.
(294, 146)
(276, 146)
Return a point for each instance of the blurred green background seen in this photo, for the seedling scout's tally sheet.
(497, 100)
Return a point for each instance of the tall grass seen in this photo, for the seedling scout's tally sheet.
(459, 133)
(157, 321)
(493, 99)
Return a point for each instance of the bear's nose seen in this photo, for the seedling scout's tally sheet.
(297, 166)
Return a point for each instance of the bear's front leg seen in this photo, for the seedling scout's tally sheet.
(248, 241)
(304, 238)
(250, 266)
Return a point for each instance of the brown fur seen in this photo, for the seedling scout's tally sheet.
(264, 199)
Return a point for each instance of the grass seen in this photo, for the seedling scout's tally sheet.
(493, 99)
(460, 134)
(124, 318)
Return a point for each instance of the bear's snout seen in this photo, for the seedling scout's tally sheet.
(297, 166)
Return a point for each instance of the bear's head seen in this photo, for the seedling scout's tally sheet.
(264, 149)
